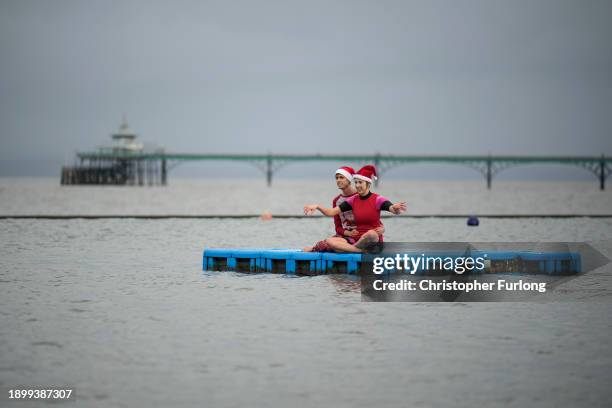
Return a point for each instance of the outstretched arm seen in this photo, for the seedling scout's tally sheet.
(384, 204)
(330, 212)
(398, 208)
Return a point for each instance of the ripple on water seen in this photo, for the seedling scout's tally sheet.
(46, 343)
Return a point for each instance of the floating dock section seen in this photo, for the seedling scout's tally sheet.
(280, 261)
(292, 261)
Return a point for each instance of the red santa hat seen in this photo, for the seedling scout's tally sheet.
(366, 173)
(347, 172)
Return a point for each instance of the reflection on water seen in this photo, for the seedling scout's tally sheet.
(346, 283)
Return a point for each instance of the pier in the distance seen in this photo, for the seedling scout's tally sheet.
(125, 162)
(128, 162)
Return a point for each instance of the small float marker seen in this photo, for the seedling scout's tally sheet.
(473, 221)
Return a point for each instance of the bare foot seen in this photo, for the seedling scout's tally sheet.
(367, 239)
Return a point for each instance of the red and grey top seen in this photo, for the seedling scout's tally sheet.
(345, 220)
(366, 210)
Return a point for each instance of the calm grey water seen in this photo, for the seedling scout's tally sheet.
(120, 311)
(219, 196)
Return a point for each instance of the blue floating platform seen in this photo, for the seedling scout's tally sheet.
(294, 261)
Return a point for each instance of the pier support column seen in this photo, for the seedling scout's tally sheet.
(489, 175)
(140, 172)
(150, 172)
(602, 173)
(269, 170)
(376, 164)
(164, 172)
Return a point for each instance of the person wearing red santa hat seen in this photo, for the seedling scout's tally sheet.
(366, 207)
(344, 222)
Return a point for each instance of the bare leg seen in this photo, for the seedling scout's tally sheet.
(369, 238)
(340, 245)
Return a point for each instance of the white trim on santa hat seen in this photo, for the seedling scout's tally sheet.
(345, 173)
(364, 178)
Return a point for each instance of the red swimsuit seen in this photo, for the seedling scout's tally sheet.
(366, 211)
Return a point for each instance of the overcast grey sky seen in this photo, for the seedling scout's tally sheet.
(507, 77)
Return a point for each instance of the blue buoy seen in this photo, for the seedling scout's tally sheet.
(473, 222)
